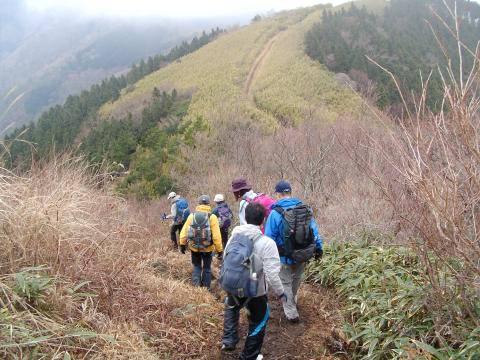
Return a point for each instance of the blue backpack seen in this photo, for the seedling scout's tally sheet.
(237, 275)
(182, 211)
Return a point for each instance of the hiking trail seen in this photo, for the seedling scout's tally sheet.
(317, 336)
(258, 64)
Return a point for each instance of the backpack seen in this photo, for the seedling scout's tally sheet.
(298, 237)
(182, 211)
(237, 275)
(199, 233)
(224, 216)
(263, 199)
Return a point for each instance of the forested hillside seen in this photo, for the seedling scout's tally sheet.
(60, 128)
(399, 38)
(227, 88)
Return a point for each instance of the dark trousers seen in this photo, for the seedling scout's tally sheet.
(258, 314)
(173, 233)
(224, 233)
(202, 268)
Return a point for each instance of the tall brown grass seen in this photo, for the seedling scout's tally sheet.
(111, 290)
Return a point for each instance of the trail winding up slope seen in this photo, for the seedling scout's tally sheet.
(257, 65)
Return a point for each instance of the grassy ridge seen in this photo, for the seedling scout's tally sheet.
(288, 85)
(292, 86)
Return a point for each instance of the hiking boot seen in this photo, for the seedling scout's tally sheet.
(295, 320)
(226, 347)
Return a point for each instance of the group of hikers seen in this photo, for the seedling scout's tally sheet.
(272, 244)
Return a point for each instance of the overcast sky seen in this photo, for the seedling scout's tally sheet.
(170, 8)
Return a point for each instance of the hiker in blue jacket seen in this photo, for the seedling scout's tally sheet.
(292, 271)
(178, 214)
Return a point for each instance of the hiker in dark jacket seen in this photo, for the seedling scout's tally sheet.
(292, 271)
(178, 213)
(224, 215)
(266, 264)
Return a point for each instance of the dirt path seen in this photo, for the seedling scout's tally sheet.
(257, 65)
(315, 337)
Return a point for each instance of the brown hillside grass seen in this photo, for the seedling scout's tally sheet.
(132, 301)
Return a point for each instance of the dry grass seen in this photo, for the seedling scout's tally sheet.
(320, 160)
(103, 297)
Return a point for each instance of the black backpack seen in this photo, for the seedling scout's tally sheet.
(298, 238)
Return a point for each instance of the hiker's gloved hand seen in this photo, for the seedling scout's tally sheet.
(318, 254)
(183, 248)
(283, 298)
(164, 216)
(220, 256)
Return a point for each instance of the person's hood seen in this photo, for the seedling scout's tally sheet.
(249, 230)
(249, 194)
(204, 208)
(287, 203)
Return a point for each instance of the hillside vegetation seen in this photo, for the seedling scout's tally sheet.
(287, 86)
(400, 39)
(62, 127)
(85, 273)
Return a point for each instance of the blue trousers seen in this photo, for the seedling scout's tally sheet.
(258, 314)
(202, 268)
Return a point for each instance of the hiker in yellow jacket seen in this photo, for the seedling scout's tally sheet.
(202, 231)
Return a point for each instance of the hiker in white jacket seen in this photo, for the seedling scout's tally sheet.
(266, 264)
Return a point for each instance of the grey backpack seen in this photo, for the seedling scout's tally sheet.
(237, 275)
(199, 233)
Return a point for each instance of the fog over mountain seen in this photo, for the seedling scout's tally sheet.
(47, 55)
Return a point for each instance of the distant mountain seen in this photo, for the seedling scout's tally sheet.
(47, 57)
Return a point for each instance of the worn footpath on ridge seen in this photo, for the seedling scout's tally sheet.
(315, 337)
(258, 72)
(257, 66)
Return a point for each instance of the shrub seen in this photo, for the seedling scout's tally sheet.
(388, 299)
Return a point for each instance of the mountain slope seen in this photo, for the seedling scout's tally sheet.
(54, 57)
(400, 39)
(287, 86)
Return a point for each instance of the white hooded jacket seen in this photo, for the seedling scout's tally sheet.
(266, 259)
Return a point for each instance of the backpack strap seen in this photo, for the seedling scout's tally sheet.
(255, 238)
(280, 210)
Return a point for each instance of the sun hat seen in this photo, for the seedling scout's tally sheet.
(219, 198)
(240, 184)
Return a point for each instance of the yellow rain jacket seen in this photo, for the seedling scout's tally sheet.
(214, 226)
